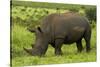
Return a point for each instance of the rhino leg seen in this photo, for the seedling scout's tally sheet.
(87, 37)
(79, 45)
(58, 45)
(53, 45)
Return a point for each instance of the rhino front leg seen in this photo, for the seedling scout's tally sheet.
(53, 45)
(58, 45)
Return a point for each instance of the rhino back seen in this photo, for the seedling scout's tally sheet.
(66, 26)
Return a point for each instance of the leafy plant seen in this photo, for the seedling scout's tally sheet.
(91, 14)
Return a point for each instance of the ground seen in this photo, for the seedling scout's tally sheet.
(23, 38)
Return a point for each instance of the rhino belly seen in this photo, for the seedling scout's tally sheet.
(74, 35)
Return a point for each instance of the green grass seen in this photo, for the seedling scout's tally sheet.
(23, 38)
(47, 5)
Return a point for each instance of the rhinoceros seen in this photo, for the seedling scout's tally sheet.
(58, 29)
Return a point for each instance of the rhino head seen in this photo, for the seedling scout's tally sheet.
(40, 45)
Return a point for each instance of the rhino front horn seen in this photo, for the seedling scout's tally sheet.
(28, 50)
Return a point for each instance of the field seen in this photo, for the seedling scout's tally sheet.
(22, 38)
(24, 17)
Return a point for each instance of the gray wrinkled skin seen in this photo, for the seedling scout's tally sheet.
(59, 29)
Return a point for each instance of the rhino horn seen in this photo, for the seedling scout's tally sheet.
(32, 45)
(31, 30)
(28, 50)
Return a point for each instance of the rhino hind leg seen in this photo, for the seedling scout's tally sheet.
(87, 37)
(79, 45)
(58, 45)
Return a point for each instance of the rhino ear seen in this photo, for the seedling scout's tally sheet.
(39, 29)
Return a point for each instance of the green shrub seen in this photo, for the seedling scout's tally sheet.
(93, 24)
(73, 9)
(20, 38)
(91, 14)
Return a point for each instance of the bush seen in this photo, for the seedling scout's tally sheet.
(93, 25)
(73, 9)
(20, 38)
(91, 14)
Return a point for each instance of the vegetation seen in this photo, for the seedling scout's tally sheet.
(23, 38)
(24, 15)
(31, 16)
(91, 14)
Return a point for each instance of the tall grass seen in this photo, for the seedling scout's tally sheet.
(20, 38)
(23, 38)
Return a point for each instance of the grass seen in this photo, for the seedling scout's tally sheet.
(23, 38)
(48, 5)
